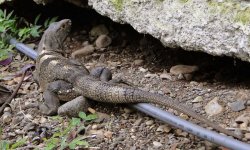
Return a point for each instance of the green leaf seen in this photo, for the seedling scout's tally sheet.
(1, 13)
(36, 19)
(63, 143)
(51, 143)
(57, 118)
(91, 117)
(75, 121)
(82, 115)
(35, 31)
(9, 15)
(78, 142)
(19, 143)
(57, 134)
(4, 145)
(50, 146)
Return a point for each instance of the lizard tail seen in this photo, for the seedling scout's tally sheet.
(109, 93)
(168, 102)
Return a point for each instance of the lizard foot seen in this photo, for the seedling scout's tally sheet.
(44, 109)
(73, 107)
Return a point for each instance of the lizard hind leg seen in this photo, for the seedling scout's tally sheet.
(102, 73)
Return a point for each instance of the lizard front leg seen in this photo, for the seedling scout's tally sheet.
(54, 92)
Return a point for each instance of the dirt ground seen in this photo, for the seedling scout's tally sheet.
(141, 60)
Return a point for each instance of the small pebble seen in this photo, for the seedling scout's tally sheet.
(247, 136)
(128, 110)
(138, 122)
(179, 132)
(194, 83)
(184, 116)
(197, 99)
(43, 120)
(237, 106)
(138, 62)
(97, 133)
(103, 41)
(7, 117)
(157, 144)
(213, 107)
(183, 69)
(91, 110)
(166, 76)
(85, 43)
(94, 127)
(180, 77)
(17, 119)
(11, 134)
(163, 128)
(142, 69)
(150, 122)
(108, 134)
(150, 75)
(7, 109)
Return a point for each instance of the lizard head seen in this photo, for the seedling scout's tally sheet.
(55, 35)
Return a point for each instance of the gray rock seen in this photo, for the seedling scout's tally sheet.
(98, 30)
(237, 106)
(7, 109)
(7, 117)
(138, 62)
(247, 136)
(163, 128)
(213, 107)
(183, 69)
(157, 144)
(150, 122)
(197, 99)
(166, 76)
(243, 120)
(103, 41)
(138, 122)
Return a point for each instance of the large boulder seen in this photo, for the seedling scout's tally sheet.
(217, 28)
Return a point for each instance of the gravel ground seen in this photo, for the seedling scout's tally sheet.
(143, 62)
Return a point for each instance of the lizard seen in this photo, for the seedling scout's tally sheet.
(52, 67)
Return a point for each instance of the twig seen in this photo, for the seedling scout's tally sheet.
(8, 101)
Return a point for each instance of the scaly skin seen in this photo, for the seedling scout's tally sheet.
(52, 66)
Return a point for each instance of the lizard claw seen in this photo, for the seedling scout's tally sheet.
(44, 109)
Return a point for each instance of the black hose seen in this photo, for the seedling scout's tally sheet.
(164, 116)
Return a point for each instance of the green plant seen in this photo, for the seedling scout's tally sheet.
(68, 138)
(5, 145)
(7, 24)
(12, 26)
(63, 138)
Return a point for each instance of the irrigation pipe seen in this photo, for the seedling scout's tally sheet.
(165, 116)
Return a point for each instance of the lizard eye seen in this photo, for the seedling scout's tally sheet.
(63, 26)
